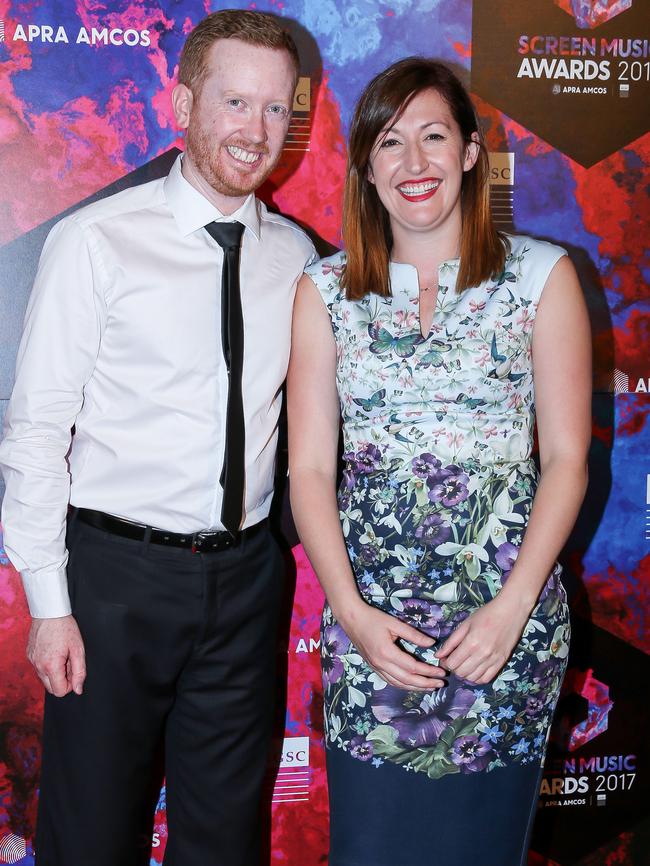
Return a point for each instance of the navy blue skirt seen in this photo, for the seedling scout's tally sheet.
(384, 816)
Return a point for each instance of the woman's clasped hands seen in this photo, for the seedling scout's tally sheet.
(483, 643)
(476, 651)
(374, 634)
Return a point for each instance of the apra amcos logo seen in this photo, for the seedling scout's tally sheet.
(56, 34)
(308, 645)
(12, 848)
(622, 383)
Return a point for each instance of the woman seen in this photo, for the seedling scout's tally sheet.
(445, 633)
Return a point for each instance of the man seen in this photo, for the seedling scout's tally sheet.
(159, 328)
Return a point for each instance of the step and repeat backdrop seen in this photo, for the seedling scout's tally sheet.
(563, 88)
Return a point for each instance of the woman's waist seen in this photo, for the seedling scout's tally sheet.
(373, 452)
(435, 477)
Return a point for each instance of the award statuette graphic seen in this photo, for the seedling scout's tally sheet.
(591, 13)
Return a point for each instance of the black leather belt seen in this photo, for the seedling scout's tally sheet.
(205, 541)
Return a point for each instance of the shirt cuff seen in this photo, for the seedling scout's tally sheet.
(47, 593)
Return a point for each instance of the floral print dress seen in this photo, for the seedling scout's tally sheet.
(435, 498)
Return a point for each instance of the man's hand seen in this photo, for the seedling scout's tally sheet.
(55, 648)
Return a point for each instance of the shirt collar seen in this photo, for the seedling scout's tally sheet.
(192, 211)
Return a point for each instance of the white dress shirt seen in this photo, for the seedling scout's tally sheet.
(122, 341)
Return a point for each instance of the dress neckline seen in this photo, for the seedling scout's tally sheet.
(404, 282)
(407, 276)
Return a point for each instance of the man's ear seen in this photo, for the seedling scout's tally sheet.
(471, 152)
(182, 101)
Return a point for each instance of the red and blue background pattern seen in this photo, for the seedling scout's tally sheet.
(80, 120)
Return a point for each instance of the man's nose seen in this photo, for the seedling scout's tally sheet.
(255, 128)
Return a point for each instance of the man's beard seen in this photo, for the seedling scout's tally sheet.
(208, 163)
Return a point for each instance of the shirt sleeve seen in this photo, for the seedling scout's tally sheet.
(312, 255)
(56, 358)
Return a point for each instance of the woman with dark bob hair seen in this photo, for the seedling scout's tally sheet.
(439, 342)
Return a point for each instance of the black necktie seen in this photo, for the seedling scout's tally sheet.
(228, 236)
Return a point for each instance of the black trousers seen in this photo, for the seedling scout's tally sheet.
(180, 651)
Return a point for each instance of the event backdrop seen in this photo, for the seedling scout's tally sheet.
(563, 88)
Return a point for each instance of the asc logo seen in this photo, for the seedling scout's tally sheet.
(294, 775)
(295, 752)
(502, 188)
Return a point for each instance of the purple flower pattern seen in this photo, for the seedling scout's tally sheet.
(470, 754)
(449, 486)
(421, 722)
(505, 558)
(361, 748)
(334, 642)
(433, 530)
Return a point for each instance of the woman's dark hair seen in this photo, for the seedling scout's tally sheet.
(366, 229)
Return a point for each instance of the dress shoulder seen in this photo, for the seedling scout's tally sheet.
(326, 275)
(531, 261)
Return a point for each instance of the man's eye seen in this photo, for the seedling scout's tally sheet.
(279, 110)
(235, 103)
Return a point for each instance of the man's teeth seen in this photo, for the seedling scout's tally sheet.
(419, 188)
(243, 155)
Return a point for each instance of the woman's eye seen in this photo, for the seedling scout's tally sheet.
(389, 142)
(435, 136)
